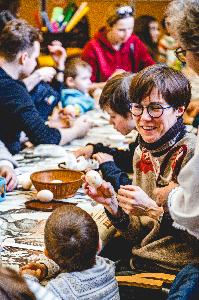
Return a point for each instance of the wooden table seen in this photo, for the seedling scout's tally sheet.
(21, 229)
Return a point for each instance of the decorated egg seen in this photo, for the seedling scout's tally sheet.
(94, 179)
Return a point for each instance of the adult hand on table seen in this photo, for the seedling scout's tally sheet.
(10, 176)
(86, 151)
(82, 126)
(104, 195)
(133, 200)
(103, 157)
(37, 270)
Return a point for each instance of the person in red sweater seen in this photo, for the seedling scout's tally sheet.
(115, 47)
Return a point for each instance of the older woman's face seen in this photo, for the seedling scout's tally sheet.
(122, 30)
(152, 129)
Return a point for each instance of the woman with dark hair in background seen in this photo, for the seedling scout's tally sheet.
(147, 29)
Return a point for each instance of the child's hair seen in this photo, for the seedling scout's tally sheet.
(71, 67)
(13, 286)
(171, 84)
(71, 238)
(115, 94)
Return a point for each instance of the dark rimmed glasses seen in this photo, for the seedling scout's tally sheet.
(154, 110)
(181, 54)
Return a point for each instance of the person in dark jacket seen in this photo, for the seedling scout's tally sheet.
(19, 48)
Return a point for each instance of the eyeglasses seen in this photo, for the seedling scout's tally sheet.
(154, 110)
(181, 54)
(124, 10)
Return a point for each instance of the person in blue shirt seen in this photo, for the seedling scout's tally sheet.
(78, 81)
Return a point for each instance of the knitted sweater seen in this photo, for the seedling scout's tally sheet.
(158, 245)
(96, 283)
(18, 113)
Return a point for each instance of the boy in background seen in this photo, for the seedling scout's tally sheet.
(75, 97)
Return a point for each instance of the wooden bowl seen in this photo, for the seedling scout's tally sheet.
(71, 182)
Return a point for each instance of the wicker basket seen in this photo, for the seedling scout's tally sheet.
(71, 182)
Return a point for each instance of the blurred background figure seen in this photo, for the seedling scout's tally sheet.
(147, 29)
(167, 45)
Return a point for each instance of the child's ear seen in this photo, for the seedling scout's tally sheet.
(70, 82)
(99, 246)
(46, 253)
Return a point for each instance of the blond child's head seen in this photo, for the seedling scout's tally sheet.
(71, 238)
(78, 74)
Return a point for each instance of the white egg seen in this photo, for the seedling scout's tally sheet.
(45, 196)
(24, 181)
(26, 184)
(56, 181)
(94, 179)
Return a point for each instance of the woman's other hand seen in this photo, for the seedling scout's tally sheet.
(133, 200)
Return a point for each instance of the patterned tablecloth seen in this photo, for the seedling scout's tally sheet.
(21, 229)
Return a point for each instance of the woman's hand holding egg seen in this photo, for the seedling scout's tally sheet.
(100, 191)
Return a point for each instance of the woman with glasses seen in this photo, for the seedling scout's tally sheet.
(115, 48)
(159, 96)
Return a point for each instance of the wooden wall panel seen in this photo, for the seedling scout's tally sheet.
(98, 9)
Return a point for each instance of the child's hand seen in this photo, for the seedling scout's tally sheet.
(86, 151)
(37, 270)
(10, 176)
(103, 157)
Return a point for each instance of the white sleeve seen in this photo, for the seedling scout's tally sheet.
(184, 201)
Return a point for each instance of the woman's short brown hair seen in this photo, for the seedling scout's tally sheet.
(71, 238)
(115, 94)
(171, 84)
(17, 36)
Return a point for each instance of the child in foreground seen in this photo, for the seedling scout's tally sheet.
(72, 242)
